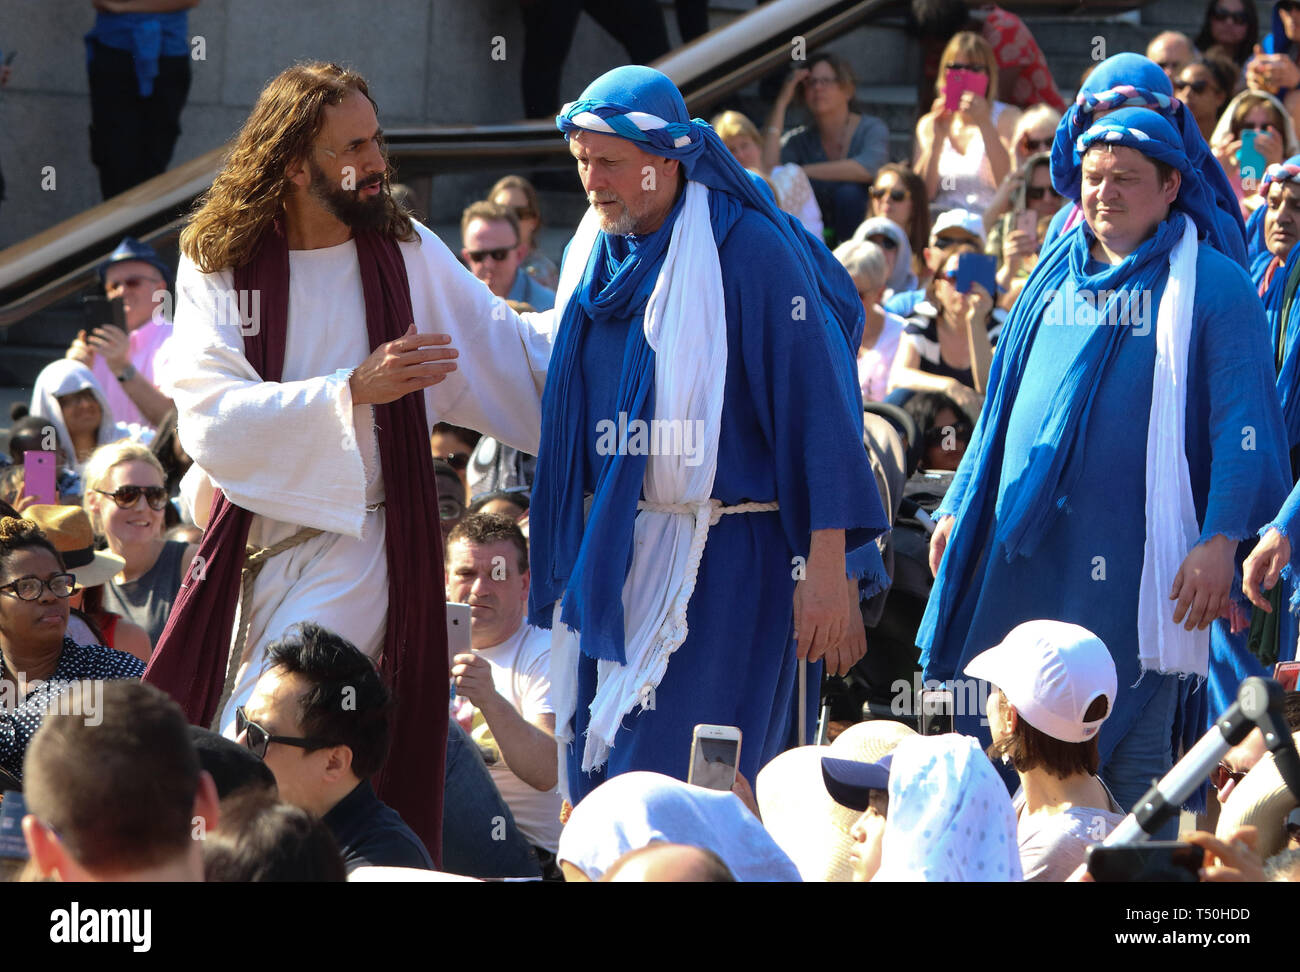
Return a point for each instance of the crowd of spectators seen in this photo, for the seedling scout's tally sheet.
(939, 245)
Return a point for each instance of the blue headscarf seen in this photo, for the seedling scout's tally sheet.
(590, 561)
(1282, 308)
(1131, 80)
(1032, 502)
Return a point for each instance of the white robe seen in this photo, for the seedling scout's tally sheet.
(297, 452)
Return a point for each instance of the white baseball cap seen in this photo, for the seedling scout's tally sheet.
(962, 219)
(1051, 671)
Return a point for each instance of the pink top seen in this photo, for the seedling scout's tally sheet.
(149, 354)
(874, 363)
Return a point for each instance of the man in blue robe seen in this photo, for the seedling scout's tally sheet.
(675, 583)
(1071, 503)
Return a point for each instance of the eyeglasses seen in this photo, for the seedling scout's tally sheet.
(29, 588)
(1036, 144)
(457, 460)
(1233, 16)
(525, 212)
(1255, 126)
(478, 256)
(884, 242)
(1033, 193)
(1197, 87)
(256, 739)
(896, 194)
(130, 283)
(954, 66)
(127, 496)
(1221, 774)
(811, 82)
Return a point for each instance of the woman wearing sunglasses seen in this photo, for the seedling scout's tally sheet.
(125, 498)
(1232, 26)
(1275, 140)
(517, 193)
(1204, 87)
(1033, 136)
(34, 592)
(899, 195)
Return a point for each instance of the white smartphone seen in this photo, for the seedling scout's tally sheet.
(935, 715)
(715, 754)
(458, 633)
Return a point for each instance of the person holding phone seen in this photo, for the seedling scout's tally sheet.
(839, 151)
(130, 362)
(962, 142)
(1033, 136)
(1258, 118)
(947, 341)
(1018, 235)
(1077, 519)
(1050, 689)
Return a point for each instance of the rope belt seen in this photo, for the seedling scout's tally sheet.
(716, 510)
(255, 558)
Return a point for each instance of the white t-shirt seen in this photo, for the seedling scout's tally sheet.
(521, 674)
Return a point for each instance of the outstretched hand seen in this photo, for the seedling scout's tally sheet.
(413, 362)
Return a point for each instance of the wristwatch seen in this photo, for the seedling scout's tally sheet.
(127, 374)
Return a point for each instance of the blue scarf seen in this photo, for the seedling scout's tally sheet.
(1131, 80)
(1033, 501)
(1284, 322)
(587, 563)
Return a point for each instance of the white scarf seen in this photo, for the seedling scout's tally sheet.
(686, 326)
(1171, 526)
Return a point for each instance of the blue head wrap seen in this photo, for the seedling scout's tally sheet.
(573, 558)
(1132, 81)
(1280, 305)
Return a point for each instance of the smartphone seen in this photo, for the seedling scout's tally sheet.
(976, 268)
(39, 476)
(958, 82)
(12, 811)
(1156, 860)
(934, 715)
(1026, 222)
(1284, 673)
(100, 310)
(715, 754)
(458, 630)
(1251, 164)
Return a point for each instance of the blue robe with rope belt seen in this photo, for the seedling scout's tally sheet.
(787, 435)
(1230, 389)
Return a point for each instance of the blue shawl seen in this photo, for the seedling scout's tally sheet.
(1032, 502)
(1131, 80)
(1283, 312)
(588, 563)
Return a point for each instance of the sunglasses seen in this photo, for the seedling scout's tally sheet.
(1221, 774)
(943, 242)
(130, 283)
(525, 212)
(256, 739)
(1232, 16)
(1196, 87)
(884, 242)
(937, 433)
(896, 194)
(1249, 127)
(819, 82)
(478, 256)
(457, 460)
(954, 66)
(1033, 193)
(127, 496)
(29, 588)
(1036, 144)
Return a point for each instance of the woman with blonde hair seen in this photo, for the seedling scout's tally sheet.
(1262, 113)
(964, 155)
(125, 498)
(517, 193)
(793, 191)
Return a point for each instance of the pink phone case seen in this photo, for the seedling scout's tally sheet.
(38, 476)
(958, 82)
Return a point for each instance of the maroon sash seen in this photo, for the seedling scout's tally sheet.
(190, 660)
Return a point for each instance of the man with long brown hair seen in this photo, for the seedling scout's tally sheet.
(319, 324)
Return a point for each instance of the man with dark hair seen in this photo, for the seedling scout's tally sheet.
(121, 798)
(319, 718)
(505, 681)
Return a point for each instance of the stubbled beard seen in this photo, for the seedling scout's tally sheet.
(348, 206)
(620, 225)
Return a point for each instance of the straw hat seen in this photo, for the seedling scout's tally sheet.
(798, 811)
(1260, 800)
(68, 528)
